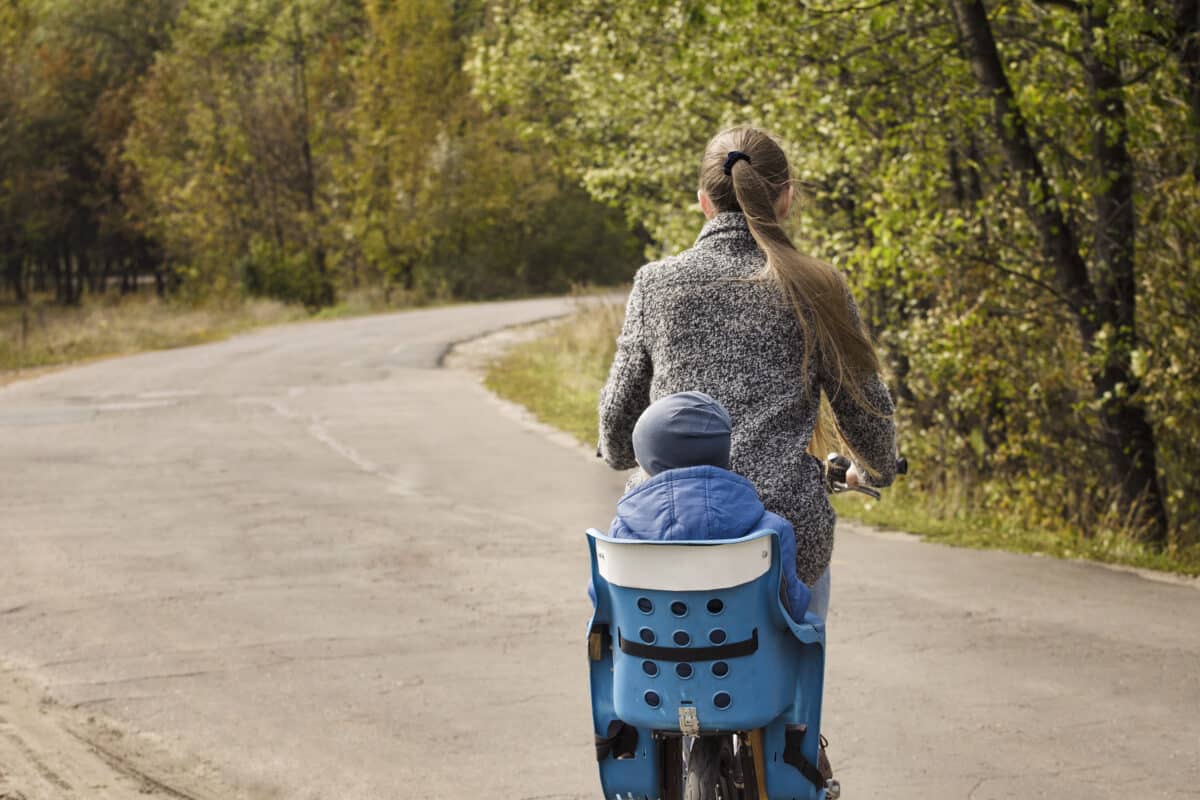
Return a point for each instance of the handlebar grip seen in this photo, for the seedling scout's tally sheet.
(836, 467)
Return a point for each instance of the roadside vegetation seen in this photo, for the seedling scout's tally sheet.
(300, 150)
(558, 377)
(38, 335)
(1011, 188)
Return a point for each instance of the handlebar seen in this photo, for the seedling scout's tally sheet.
(836, 467)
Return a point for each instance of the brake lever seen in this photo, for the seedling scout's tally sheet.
(838, 488)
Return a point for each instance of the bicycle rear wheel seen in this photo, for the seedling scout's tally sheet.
(710, 770)
(672, 762)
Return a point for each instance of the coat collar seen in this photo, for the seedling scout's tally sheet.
(702, 502)
(726, 225)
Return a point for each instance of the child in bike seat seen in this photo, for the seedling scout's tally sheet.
(682, 445)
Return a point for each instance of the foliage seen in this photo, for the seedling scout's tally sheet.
(67, 71)
(1000, 243)
(448, 200)
(236, 138)
(291, 148)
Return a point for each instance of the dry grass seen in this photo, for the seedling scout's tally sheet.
(559, 376)
(42, 335)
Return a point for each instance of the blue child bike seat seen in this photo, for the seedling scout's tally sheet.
(691, 637)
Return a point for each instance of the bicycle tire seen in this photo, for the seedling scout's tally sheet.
(710, 770)
(672, 763)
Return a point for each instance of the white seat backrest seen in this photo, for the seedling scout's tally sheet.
(682, 566)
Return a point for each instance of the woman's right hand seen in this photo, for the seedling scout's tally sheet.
(853, 477)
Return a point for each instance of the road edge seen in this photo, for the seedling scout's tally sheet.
(473, 357)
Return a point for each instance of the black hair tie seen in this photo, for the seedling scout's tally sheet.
(734, 157)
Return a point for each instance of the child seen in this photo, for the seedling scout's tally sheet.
(682, 445)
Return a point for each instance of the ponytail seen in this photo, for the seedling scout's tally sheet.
(753, 183)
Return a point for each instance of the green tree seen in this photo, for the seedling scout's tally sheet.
(449, 199)
(298, 147)
(237, 135)
(70, 74)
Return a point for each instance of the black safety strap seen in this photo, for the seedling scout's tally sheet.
(714, 653)
(621, 741)
(793, 738)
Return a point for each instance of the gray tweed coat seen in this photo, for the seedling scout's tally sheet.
(694, 322)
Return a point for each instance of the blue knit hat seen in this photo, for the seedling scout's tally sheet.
(682, 430)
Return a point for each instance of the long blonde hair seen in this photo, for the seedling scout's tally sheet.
(816, 291)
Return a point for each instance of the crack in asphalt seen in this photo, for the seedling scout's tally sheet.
(316, 429)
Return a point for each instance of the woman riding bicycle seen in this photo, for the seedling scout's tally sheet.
(746, 318)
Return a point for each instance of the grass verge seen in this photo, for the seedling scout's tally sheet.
(42, 335)
(903, 509)
(559, 375)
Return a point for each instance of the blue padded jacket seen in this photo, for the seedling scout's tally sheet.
(707, 502)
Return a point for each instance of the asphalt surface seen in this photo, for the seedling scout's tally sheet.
(310, 563)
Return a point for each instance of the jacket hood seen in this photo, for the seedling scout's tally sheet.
(702, 502)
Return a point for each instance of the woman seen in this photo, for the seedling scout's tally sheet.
(746, 318)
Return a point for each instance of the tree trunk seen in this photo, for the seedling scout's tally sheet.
(324, 295)
(15, 273)
(61, 264)
(85, 278)
(146, 258)
(1128, 436)
(105, 274)
(128, 275)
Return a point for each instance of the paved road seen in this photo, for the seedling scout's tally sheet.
(308, 563)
